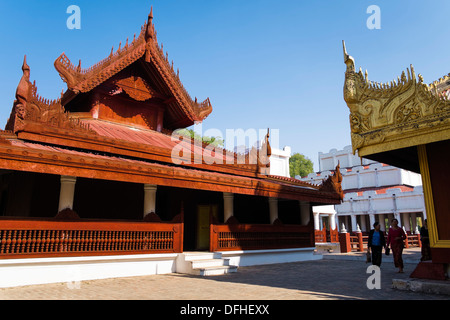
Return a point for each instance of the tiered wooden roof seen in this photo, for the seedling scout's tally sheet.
(143, 53)
(115, 121)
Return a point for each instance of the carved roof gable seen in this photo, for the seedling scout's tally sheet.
(146, 49)
(398, 114)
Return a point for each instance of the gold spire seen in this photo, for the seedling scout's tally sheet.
(348, 60)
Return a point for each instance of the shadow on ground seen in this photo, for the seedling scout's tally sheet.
(331, 279)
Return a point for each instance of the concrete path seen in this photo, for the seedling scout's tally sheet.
(332, 278)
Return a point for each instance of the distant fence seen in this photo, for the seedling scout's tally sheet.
(356, 241)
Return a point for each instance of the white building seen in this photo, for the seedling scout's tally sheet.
(279, 162)
(373, 192)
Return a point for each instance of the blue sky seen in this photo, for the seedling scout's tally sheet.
(263, 64)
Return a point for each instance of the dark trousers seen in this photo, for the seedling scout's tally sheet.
(376, 255)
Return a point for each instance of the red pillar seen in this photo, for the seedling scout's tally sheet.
(406, 242)
(360, 242)
(344, 240)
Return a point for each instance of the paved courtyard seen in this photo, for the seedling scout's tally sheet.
(313, 280)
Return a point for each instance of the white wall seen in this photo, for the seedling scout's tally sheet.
(370, 202)
(329, 161)
(370, 175)
(279, 162)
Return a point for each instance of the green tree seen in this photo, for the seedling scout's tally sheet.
(214, 141)
(299, 165)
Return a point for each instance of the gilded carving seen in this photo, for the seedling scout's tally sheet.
(408, 112)
(389, 112)
(359, 123)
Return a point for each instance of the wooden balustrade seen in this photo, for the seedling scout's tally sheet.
(331, 236)
(358, 241)
(320, 235)
(228, 237)
(44, 238)
(413, 240)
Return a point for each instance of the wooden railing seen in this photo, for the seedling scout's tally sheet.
(358, 242)
(333, 236)
(324, 235)
(413, 240)
(320, 235)
(50, 238)
(228, 237)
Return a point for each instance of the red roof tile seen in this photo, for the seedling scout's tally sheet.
(148, 137)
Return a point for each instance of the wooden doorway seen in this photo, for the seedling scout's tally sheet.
(205, 214)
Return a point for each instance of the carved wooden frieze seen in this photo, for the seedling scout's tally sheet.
(136, 88)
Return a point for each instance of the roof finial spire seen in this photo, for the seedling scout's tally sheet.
(24, 64)
(150, 32)
(23, 90)
(150, 16)
(348, 59)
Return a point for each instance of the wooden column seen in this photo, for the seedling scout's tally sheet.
(66, 193)
(149, 199)
(305, 209)
(273, 207)
(228, 206)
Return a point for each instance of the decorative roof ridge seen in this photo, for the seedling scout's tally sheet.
(146, 45)
(75, 77)
(247, 156)
(292, 181)
(29, 106)
(392, 113)
(440, 81)
(334, 183)
(392, 88)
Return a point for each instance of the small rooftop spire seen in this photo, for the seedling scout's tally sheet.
(24, 64)
(348, 59)
(150, 32)
(150, 16)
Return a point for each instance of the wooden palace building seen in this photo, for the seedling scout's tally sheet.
(406, 123)
(96, 184)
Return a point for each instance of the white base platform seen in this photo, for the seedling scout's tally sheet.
(245, 258)
(73, 270)
(22, 272)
